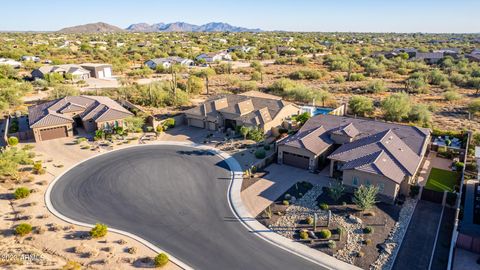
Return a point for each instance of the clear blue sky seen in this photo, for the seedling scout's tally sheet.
(291, 15)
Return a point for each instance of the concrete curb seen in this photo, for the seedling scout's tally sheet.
(235, 204)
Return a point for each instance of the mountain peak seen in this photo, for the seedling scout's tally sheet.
(187, 27)
(99, 27)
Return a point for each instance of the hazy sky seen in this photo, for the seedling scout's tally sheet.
(293, 15)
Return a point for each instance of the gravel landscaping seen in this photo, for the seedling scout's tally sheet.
(355, 245)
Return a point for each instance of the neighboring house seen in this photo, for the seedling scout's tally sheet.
(453, 52)
(412, 52)
(244, 49)
(358, 151)
(168, 61)
(475, 51)
(473, 57)
(429, 57)
(35, 59)
(10, 62)
(99, 71)
(214, 57)
(231, 111)
(76, 71)
(56, 118)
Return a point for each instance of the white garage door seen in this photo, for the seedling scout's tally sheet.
(100, 74)
(107, 72)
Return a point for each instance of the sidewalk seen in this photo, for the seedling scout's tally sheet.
(260, 195)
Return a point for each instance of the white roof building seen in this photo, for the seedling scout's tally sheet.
(10, 62)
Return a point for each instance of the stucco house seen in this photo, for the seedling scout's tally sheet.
(359, 152)
(250, 109)
(168, 61)
(57, 118)
(77, 72)
(214, 57)
(10, 62)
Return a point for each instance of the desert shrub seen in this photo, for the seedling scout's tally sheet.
(459, 165)
(303, 235)
(256, 76)
(286, 202)
(12, 141)
(159, 129)
(23, 229)
(38, 168)
(169, 122)
(281, 61)
(368, 230)
(247, 86)
(356, 77)
(100, 230)
(452, 95)
(421, 114)
(339, 79)
(361, 105)
(414, 190)
(396, 107)
(260, 153)
(360, 254)
(161, 260)
(325, 234)
(323, 206)
(306, 74)
(255, 134)
(309, 220)
(302, 61)
(80, 140)
(331, 244)
(365, 197)
(340, 231)
(368, 242)
(376, 86)
(21, 192)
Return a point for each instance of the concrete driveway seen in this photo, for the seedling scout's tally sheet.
(176, 198)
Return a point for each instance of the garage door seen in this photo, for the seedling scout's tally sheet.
(212, 126)
(100, 74)
(196, 123)
(107, 72)
(295, 160)
(53, 133)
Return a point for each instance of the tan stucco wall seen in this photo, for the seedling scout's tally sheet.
(299, 151)
(390, 188)
(284, 113)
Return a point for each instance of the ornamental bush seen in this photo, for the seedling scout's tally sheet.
(323, 206)
(309, 220)
(12, 141)
(331, 244)
(260, 153)
(23, 229)
(325, 234)
(303, 235)
(161, 260)
(368, 230)
(21, 192)
(285, 202)
(100, 230)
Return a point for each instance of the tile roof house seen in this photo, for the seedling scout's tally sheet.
(253, 109)
(56, 118)
(77, 72)
(214, 56)
(429, 57)
(168, 61)
(359, 151)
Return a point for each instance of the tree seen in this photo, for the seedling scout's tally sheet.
(244, 130)
(420, 114)
(474, 106)
(135, 123)
(7, 72)
(12, 141)
(100, 230)
(258, 67)
(302, 118)
(195, 85)
(206, 73)
(361, 105)
(323, 96)
(475, 83)
(61, 91)
(161, 260)
(396, 107)
(365, 197)
(256, 134)
(336, 191)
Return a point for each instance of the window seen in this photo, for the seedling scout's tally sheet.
(355, 181)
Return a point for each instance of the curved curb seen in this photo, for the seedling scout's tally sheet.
(236, 205)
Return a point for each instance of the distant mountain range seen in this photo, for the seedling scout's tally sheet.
(101, 27)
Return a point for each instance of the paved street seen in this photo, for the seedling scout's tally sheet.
(174, 197)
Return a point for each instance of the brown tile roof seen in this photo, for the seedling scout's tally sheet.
(97, 108)
(248, 109)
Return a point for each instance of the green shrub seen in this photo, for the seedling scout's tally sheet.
(285, 202)
(339, 79)
(323, 206)
(414, 190)
(38, 168)
(21, 192)
(303, 235)
(355, 77)
(368, 230)
(169, 122)
(161, 260)
(12, 141)
(309, 220)
(100, 230)
(23, 229)
(331, 244)
(266, 147)
(459, 165)
(306, 74)
(340, 231)
(159, 128)
(325, 234)
(260, 153)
